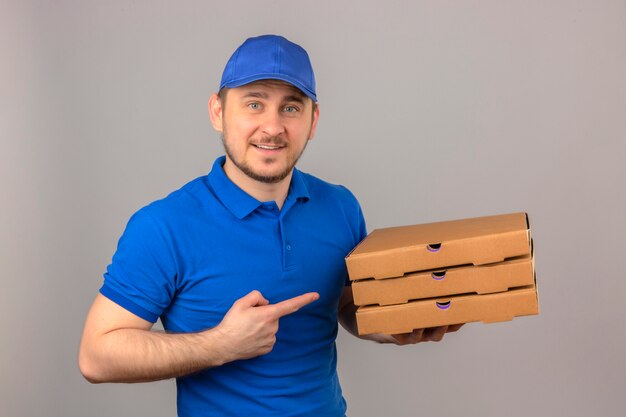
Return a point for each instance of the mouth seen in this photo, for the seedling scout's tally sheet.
(268, 147)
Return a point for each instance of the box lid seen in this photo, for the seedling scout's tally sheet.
(394, 251)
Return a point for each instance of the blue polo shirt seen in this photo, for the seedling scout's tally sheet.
(188, 257)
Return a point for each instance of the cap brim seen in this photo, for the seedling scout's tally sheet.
(259, 77)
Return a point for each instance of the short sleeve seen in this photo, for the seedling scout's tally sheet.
(359, 227)
(142, 273)
(362, 226)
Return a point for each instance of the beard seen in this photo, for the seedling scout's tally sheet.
(249, 171)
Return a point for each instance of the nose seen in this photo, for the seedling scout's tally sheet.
(272, 123)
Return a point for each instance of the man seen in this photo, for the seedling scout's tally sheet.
(244, 266)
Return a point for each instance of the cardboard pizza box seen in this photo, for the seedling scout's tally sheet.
(484, 279)
(394, 251)
(487, 308)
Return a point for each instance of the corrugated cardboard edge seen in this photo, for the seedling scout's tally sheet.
(532, 249)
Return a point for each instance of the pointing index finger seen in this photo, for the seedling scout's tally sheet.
(294, 304)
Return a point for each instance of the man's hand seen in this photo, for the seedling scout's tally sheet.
(249, 328)
(432, 334)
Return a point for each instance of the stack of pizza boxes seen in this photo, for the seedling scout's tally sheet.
(437, 274)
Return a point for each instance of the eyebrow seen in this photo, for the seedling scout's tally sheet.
(298, 98)
(256, 94)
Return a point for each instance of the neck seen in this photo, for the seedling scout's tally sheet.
(262, 191)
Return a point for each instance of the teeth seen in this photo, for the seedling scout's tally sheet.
(267, 147)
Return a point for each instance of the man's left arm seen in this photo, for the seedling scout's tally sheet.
(347, 318)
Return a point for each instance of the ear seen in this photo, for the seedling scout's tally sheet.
(215, 112)
(316, 116)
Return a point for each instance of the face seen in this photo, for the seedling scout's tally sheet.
(265, 127)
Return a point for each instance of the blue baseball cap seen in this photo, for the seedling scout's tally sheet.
(270, 57)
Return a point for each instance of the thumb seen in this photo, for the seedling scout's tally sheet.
(252, 299)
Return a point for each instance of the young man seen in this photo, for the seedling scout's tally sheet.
(244, 266)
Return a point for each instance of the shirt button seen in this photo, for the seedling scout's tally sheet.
(288, 247)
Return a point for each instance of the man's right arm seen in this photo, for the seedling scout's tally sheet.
(118, 346)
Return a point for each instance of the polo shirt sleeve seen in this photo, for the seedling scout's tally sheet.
(357, 220)
(359, 227)
(141, 276)
(362, 227)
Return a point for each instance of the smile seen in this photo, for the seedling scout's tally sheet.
(268, 147)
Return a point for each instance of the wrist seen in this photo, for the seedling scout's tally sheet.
(217, 347)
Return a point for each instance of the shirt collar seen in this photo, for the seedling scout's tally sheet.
(298, 188)
(241, 203)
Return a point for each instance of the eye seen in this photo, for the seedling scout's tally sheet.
(291, 109)
(254, 105)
